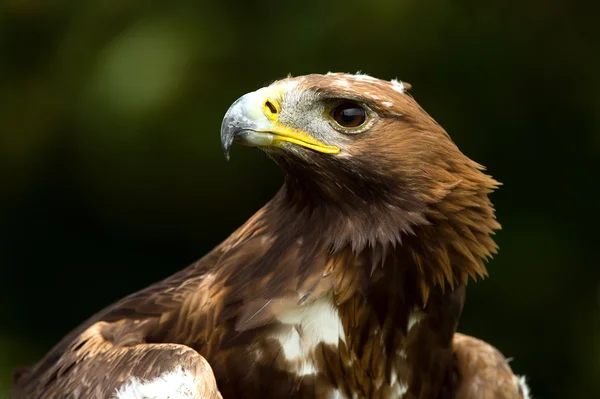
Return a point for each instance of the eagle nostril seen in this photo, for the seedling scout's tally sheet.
(269, 105)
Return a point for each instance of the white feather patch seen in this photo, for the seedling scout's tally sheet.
(522, 382)
(337, 394)
(308, 368)
(413, 318)
(398, 86)
(342, 82)
(294, 350)
(309, 325)
(399, 389)
(316, 322)
(363, 77)
(291, 345)
(178, 384)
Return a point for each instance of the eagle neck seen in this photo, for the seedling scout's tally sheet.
(446, 242)
(342, 214)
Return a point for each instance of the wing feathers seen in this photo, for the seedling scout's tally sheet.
(95, 367)
(484, 372)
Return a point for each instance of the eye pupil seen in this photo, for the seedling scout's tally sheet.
(349, 115)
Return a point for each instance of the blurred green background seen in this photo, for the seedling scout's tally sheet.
(112, 176)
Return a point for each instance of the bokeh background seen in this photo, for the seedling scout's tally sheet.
(112, 177)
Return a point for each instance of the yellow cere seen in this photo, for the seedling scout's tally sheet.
(272, 102)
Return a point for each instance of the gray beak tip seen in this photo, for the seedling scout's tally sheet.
(227, 135)
(236, 121)
(226, 145)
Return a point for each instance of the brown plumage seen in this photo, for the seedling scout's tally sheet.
(349, 283)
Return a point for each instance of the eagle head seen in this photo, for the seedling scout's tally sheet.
(370, 158)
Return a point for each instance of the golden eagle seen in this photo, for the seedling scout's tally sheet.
(349, 283)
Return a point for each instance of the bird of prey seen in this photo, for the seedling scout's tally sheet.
(349, 283)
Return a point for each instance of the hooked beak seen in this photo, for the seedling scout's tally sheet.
(252, 120)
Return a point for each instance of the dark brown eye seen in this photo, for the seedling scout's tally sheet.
(349, 115)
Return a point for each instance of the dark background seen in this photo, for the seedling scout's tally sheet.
(112, 177)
